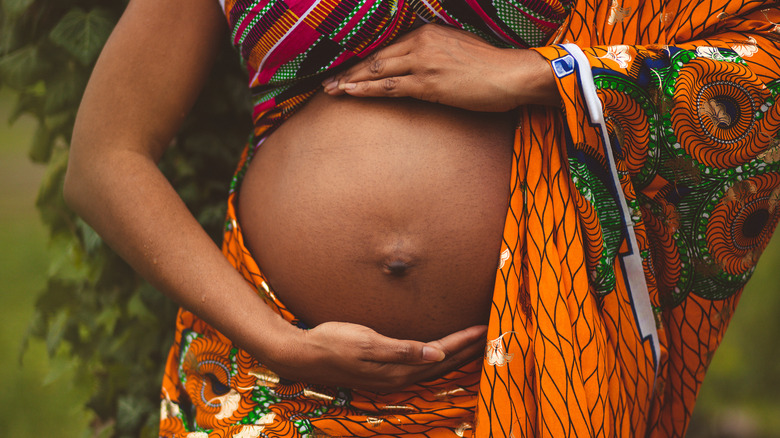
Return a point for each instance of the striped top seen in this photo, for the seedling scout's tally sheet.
(290, 46)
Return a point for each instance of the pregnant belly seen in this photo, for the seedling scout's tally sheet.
(386, 213)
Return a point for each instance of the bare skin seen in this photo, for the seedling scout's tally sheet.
(145, 82)
(383, 212)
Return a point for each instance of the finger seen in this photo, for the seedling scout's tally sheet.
(367, 346)
(377, 69)
(455, 342)
(412, 358)
(400, 376)
(393, 86)
(386, 350)
(394, 351)
(453, 361)
(371, 63)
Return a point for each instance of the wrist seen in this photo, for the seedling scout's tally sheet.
(273, 341)
(251, 324)
(532, 80)
(283, 345)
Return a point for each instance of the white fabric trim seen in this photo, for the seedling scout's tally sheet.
(635, 275)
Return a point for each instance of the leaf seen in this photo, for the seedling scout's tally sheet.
(25, 103)
(103, 430)
(67, 262)
(23, 67)
(108, 318)
(83, 34)
(45, 54)
(59, 365)
(56, 332)
(49, 201)
(89, 237)
(63, 91)
(137, 309)
(51, 183)
(8, 34)
(14, 8)
(130, 412)
(61, 124)
(25, 344)
(40, 150)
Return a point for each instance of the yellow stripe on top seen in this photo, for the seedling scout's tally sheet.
(320, 13)
(274, 34)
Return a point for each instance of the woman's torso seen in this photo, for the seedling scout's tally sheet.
(387, 213)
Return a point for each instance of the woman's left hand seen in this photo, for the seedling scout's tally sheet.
(452, 67)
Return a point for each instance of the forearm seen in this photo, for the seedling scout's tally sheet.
(143, 85)
(125, 198)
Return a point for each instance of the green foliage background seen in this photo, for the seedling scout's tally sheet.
(99, 318)
(95, 312)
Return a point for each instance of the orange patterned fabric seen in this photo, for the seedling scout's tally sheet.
(688, 92)
(681, 96)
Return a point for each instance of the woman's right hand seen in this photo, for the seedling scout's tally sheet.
(355, 356)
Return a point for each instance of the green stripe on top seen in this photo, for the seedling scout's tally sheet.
(346, 20)
(521, 25)
(254, 21)
(363, 20)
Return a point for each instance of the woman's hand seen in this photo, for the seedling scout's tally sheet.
(355, 356)
(452, 67)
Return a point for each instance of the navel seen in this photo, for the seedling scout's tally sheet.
(397, 256)
(396, 268)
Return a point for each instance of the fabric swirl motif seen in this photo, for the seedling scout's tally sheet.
(594, 244)
(628, 113)
(597, 205)
(737, 231)
(662, 222)
(229, 392)
(208, 377)
(713, 112)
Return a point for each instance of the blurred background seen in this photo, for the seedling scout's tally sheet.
(38, 397)
(41, 396)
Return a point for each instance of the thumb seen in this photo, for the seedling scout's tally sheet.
(391, 350)
(398, 351)
(460, 340)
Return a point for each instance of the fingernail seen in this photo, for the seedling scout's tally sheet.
(347, 86)
(330, 86)
(431, 354)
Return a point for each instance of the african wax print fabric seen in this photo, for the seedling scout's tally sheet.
(289, 47)
(687, 110)
(636, 216)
